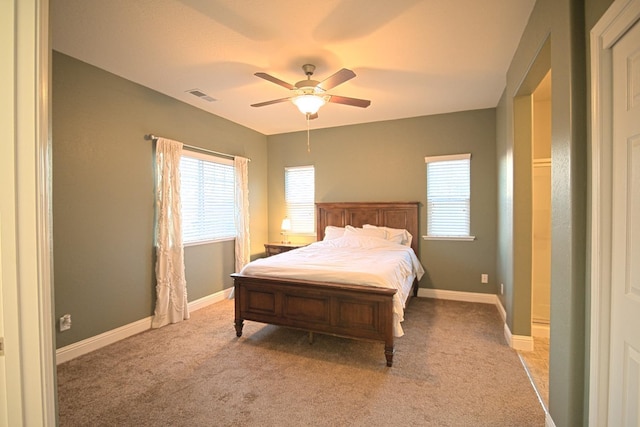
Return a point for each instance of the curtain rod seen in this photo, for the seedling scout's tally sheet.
(151, 137)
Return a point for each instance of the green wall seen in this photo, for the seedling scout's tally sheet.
(384, 161)
(563, 25)
(103, 196)
(103, 202)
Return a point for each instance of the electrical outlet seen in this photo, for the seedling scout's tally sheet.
(65, 322)
(501, 288)
(484, 278)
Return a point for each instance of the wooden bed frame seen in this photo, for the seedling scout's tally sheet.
(352, 311)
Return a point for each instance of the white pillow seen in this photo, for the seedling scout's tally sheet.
(369, 232)
(407, 238)
(396, 235)
(331, 232)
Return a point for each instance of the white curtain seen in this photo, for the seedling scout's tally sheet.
(243, 246)
(171, 286)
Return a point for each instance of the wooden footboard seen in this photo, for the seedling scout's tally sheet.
(350, 311)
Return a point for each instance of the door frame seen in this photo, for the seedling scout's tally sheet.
(620, 16)
(26, 302)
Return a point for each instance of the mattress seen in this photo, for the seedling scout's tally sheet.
(355, 260)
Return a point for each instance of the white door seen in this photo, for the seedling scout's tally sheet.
(624, 373)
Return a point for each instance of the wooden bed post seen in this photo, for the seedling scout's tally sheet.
(389, 345)
(239, 322)
(389, 350)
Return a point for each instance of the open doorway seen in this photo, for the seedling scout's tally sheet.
(538, 360)
(532, 192)
(541, 210)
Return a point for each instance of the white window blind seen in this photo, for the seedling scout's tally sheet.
(207, 196)
(449, 196)
(299, 190)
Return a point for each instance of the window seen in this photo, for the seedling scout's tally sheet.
(299, 194)
(207, 194)
(449, 197)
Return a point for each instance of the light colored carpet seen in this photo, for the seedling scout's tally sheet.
(452, 368)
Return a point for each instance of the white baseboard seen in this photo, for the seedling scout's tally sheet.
(210, 299)
(548, 421)
(501, 310)
(71, 351)
(64, 354)
(540, 330)
(458, 295)
(507, 334)
(88, 345)
(517, 342)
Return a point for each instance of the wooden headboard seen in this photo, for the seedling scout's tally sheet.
(388, 214)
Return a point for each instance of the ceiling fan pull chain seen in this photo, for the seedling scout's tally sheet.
(308, 144)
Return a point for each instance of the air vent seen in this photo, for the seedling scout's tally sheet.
(201, 94)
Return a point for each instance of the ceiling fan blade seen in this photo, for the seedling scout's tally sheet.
(275, 80)
(274, 101)
(313, 116)
(355, 102)
(336, 79)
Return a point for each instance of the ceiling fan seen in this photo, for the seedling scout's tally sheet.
(309, 95)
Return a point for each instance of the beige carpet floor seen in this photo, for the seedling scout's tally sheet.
(452, 368)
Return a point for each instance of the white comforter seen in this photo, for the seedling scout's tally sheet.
(360, 260)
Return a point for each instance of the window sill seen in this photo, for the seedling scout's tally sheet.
(452, 238)
(209, 241)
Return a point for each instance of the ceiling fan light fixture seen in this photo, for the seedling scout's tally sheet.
(308, 104)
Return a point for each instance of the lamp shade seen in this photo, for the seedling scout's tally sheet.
(286, 224)
(308, 104)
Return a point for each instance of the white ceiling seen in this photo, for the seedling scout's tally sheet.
(411, 57)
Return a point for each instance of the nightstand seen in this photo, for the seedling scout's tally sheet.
(278, 248)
